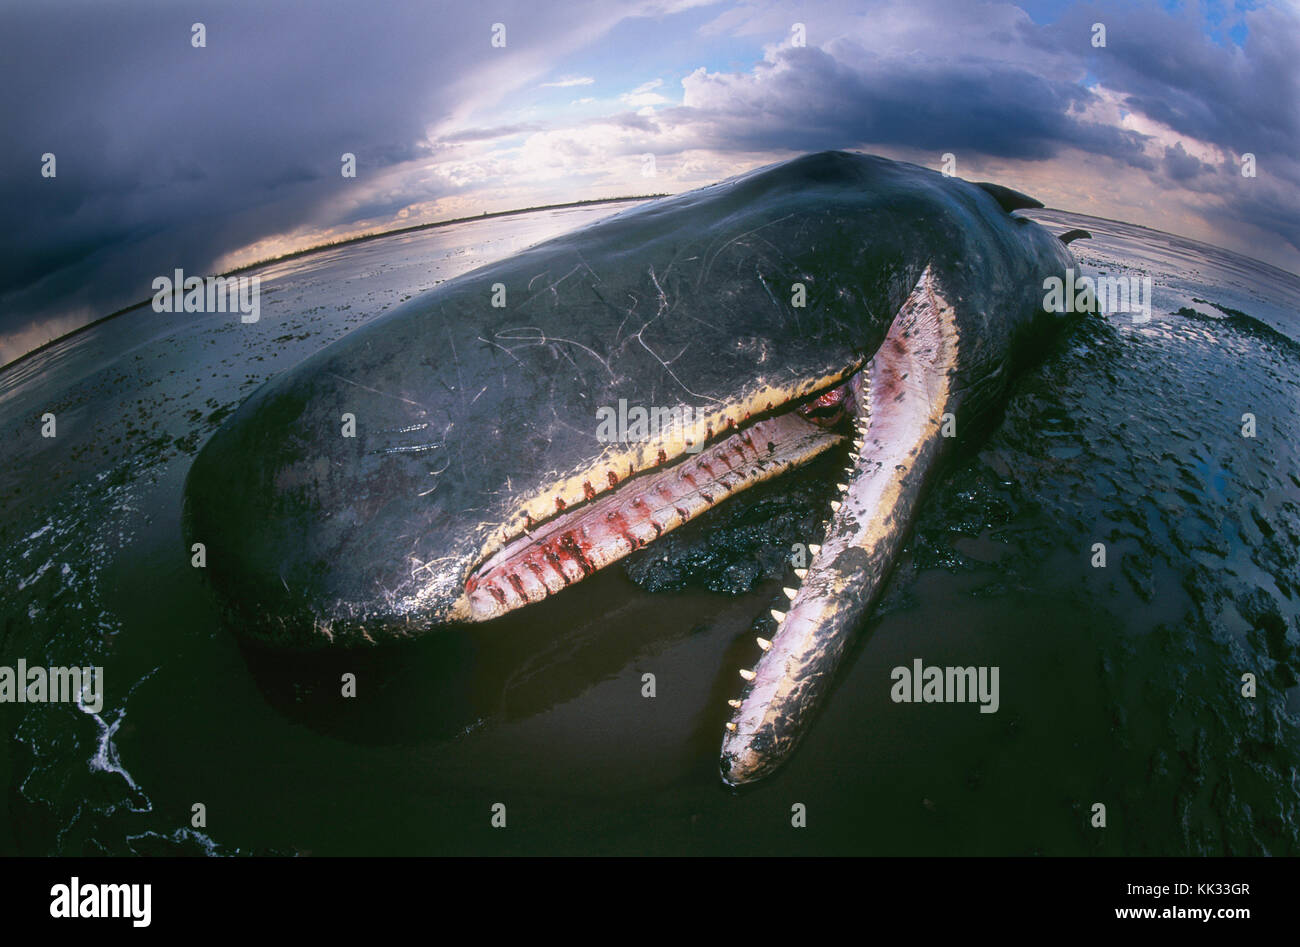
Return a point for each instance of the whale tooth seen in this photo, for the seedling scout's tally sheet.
(779, 616)
(835, 505)
(858, 443)
(790, 593)
(747, 674)
(842, 487)
(734, 703)
(731, 726)
(814, 549)
(763, 643)
(801, 572)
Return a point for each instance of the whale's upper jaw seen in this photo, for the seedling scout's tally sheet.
(634, 493)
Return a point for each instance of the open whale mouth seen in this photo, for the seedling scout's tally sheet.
(892, 409)
(628, 500)
(548, 556)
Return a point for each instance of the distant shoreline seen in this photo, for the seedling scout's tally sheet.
(1165, 233)
(379, 235)
(360, 238)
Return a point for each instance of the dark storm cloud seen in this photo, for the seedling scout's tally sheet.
(807, 98)
(154, 137)
(1015, 89)
(1163, 64)
(1180, 166)
(1239, 100)
(168, 155)
(1242, 99)
(503, 131)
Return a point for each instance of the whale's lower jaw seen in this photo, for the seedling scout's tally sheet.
(904, 396)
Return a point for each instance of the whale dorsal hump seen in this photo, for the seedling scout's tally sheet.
(1074, 235)
(1009, 199)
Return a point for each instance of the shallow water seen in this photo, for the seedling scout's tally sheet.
(1118, 685)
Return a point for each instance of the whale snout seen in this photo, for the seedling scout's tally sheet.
(306, 507)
